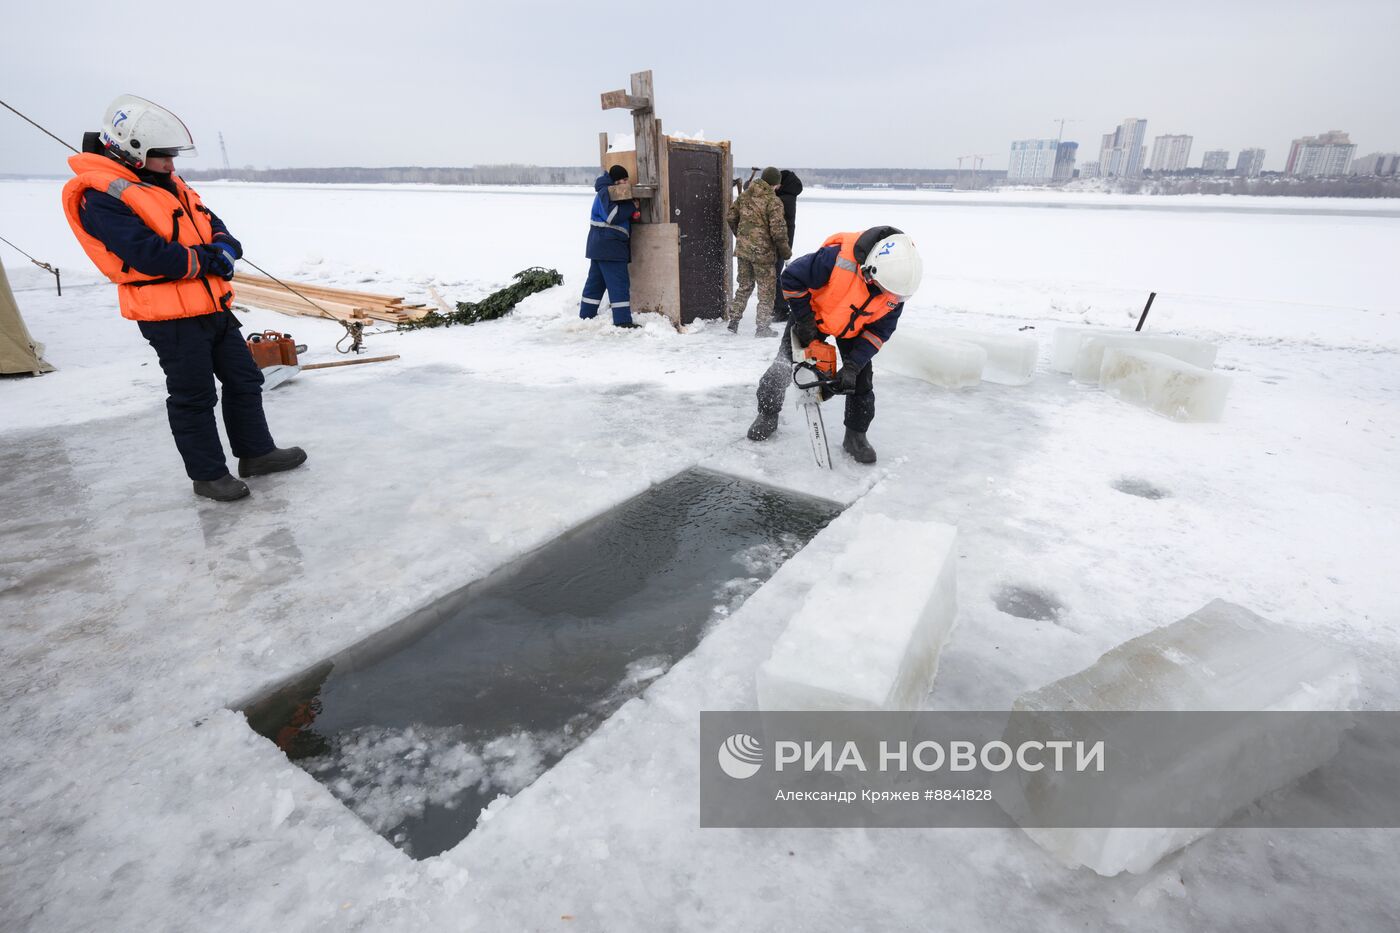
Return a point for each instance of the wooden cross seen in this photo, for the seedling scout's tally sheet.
(647, 129)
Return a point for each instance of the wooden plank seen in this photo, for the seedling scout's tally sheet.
(621, 100)
(648, 147)
(655, 270)
(603, 151)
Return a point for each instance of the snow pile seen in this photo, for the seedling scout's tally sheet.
(940, 361)
(868, 635)
(1164, 384)
(1221, 657)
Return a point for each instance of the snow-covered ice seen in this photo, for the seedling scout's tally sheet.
(1088, 362)
(133, 799)
(1164, 384)
(1221, 657)
(868, 636)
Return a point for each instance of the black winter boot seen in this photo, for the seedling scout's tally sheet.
(733, 326)
(223, 489)
(763, 426)
(858, 447)
(275, 461)
(765, 331)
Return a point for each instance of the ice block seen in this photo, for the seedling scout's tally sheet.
(1163, 384)
(952, 364)
(1088, 362)
(868, 636)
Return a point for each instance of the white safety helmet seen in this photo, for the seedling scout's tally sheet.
(894, 263)
(134, 126)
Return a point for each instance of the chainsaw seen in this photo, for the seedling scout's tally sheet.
(814, 376)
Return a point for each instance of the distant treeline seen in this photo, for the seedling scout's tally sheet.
(411, 174)
(579, 175)
(1194, 183)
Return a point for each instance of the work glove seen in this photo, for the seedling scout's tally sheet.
(806, 330)
(215, 260)
(846, 379)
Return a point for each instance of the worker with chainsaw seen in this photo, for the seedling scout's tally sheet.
(853, 289)
(761, 243)
(171, 259)
(609, 250)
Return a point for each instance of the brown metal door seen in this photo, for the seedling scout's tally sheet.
(696, 205)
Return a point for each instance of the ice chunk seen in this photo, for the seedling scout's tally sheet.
(1088, 362)
(1168, 386)
(1221, 657)
(1067, 340)
(1011, 358)
(952, 364)
(868, 636)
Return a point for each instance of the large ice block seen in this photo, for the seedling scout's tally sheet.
(1088, 362)
(1164, 384)
(1011, 358)
(1222, 657)
(1067, 340)
(868, 636)
(952, 364)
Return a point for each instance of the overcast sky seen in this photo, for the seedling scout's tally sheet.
(416, 82)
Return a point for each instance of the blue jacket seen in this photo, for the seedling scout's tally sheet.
(610, 226)
(136, 244)
(814, 271)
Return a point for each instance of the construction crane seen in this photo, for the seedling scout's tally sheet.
(976, 158)
(1059, 137)
(223, 150)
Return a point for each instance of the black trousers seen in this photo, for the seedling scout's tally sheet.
(772, 388)
(192, 352)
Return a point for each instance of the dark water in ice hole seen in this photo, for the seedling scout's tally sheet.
(419, 727)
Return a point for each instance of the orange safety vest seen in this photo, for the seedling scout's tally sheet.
(846, 305)
(179, 218)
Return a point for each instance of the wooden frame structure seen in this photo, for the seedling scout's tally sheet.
(662, 255)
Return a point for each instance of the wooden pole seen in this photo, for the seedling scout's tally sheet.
(368, 359)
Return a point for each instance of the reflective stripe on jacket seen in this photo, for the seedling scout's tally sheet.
(178, 218)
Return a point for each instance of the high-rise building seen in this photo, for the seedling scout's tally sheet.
(1377, 163)
(1064, 161)
(1328, 154)
(1089, 170)
(1169, 153)
(1121, 152)
(1250, 163)
(1216, 160)
(1032, 160)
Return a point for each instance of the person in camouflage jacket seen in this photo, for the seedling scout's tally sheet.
(756, 220)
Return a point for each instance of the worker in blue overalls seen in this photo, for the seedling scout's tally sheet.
(610, 249)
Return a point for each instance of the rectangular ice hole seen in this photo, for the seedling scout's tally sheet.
(418, 727)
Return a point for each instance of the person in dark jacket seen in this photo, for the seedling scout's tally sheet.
(171, 259)
(789, 187)
(610, 249)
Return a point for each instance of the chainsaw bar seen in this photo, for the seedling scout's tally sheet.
(809, 399)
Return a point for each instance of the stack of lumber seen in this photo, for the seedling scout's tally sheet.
(341, 304)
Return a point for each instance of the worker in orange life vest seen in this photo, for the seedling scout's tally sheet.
(171, 259)
(852, 289)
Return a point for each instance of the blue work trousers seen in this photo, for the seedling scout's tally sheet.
(613, 278)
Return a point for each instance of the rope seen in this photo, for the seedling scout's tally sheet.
(33, 124)
(41, 265)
